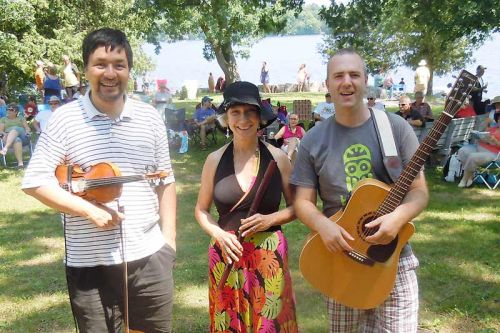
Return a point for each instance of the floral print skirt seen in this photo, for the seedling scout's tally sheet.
(258, 295)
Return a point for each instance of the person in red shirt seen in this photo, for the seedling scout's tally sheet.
(30, 108)
(466, 110)
(291, 134)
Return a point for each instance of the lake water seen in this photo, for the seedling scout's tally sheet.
(184, 60)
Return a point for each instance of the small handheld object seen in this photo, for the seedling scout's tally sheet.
(101, 182)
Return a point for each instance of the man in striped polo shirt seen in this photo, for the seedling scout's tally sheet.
(106, 126)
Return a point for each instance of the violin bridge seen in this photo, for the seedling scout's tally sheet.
(78, 186)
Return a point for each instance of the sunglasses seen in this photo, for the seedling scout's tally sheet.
(404, 104)
(54, 103)
(11, 109)
(370, 98)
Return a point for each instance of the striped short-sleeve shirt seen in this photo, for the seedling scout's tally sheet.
(77, 133)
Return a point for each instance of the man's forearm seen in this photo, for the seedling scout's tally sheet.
(415, 200)
(60, 200)
(308, 213)
(168, 208)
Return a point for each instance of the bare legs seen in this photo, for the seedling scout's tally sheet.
(290, 148)
(206, 124)
(267, 90)
(18, 146)
(473, 156)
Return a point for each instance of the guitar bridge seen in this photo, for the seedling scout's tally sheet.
(360, 258)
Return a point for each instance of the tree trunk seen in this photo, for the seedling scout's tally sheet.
(227, 62)
(429, 85)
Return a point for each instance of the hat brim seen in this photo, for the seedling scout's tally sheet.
(267, 116)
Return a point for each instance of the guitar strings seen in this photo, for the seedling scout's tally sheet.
(397, 192)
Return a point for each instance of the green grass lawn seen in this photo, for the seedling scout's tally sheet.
(457, 243)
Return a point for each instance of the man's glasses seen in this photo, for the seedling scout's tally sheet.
(54, 103)
(11, 109)
(370, 98)
(403, 104)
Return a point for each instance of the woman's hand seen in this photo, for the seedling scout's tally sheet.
(229, 245)
(256, 223)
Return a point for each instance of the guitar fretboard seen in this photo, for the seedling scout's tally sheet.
(94, 183)
(454, 100)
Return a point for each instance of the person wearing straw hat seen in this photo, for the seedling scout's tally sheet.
(230, 179)
(422, 76)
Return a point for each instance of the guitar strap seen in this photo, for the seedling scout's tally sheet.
(392, 161)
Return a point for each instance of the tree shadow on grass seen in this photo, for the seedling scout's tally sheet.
(52, 318)
(6, 173)
(458, 265)
(19, 230)
(32, 269)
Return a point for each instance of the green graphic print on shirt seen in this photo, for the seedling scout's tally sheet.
(357, 160)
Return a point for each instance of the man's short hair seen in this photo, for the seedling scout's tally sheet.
(419, 93)
(405, 98)
(345, 51)
(110, 39)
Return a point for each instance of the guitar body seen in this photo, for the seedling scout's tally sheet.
(362, 279)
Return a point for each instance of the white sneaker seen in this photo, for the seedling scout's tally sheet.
(464, 183)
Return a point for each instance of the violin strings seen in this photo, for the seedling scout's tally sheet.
(92, 183)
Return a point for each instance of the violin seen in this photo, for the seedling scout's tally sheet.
(101, 183)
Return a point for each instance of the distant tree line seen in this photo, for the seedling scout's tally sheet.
(389, 33)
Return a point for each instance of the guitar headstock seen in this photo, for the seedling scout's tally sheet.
(461, 89)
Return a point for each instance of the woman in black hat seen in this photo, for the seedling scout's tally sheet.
(258, 292)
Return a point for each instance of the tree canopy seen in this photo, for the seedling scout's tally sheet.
(33, 30)
(398, 32)
(228, 28)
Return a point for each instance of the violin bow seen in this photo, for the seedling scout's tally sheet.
(121, 209)
(68, 180)
(271, 168)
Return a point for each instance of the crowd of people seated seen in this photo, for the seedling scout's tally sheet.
(485, 150)
(288, 132)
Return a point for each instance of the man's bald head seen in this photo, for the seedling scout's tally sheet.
(341, 52)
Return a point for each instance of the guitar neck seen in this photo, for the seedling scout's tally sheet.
(454, 100)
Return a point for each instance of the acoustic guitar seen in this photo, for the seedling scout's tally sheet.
(364, 277)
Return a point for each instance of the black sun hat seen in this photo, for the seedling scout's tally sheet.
(243, 92)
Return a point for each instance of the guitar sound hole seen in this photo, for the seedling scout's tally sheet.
(363, 231)
(378, 253)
